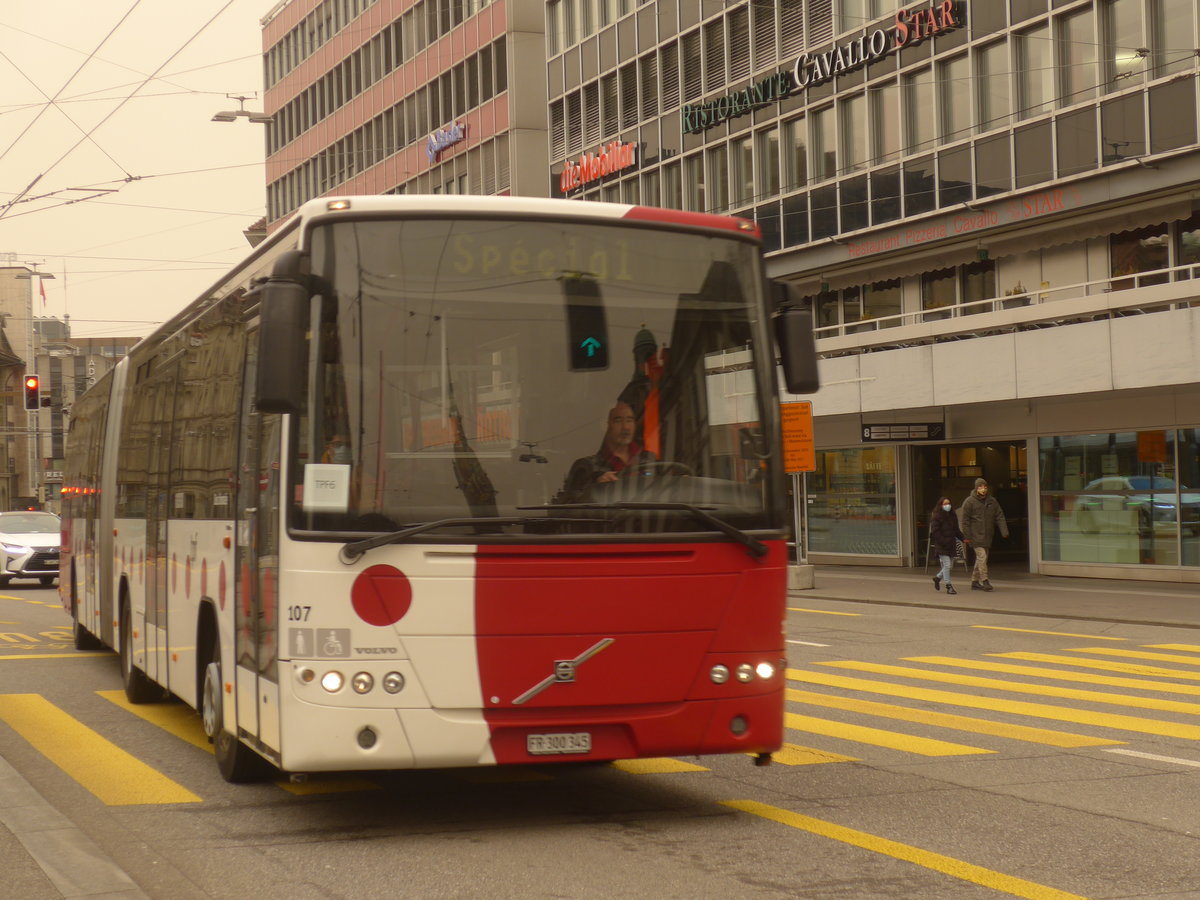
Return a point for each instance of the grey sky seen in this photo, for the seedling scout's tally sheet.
(183, 188)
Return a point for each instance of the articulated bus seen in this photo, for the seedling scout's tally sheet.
(349, 504)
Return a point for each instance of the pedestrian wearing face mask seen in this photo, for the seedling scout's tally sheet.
(944, 533)
(982, 517)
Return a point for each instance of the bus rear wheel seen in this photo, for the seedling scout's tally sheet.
(237, 763)
(138, 688)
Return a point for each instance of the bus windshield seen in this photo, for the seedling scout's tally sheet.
(546, 375)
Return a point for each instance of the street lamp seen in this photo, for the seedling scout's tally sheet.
(232, 115)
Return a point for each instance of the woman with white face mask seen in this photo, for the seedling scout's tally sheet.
(944, 532)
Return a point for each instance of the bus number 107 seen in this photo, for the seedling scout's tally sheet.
(298, 613)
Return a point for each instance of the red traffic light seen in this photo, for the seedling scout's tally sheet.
(33, 392)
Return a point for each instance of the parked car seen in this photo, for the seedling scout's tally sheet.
(1152, 497)
(29, 544)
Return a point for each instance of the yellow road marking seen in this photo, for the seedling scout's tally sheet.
(1016, 707)
(326, 784)
(658, 766)
(173, 717)
(1135, 654)
(947, 865)
(1189, 647)
(947, 720)
(1090, 637)
(1081, 677)
(1017, 687)
(821, 612)
(114, 776)
(878, 737)
(795, 755)
(76, 655)
(1104, 665)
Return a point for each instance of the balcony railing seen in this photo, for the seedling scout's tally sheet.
(1041, 307)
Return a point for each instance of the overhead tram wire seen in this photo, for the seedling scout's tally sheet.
(4, 209)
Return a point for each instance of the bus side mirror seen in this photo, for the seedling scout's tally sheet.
(283, 337)
(797, 346)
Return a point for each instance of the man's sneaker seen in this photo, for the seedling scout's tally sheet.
(976, 586)
(986, 586)
(950, 589)
(937, 582)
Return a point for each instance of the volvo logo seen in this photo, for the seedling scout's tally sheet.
(564, 671)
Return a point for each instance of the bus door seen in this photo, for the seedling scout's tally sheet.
(256, 619)
(162, 388)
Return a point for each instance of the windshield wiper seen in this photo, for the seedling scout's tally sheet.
(753, 545)
(354, 549)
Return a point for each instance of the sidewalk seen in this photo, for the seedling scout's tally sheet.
(1017, 592)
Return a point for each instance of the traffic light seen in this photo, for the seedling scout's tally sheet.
(33, 392)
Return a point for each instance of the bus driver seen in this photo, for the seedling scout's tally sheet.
(619, 451)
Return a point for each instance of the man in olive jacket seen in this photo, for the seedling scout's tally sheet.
(981, 517)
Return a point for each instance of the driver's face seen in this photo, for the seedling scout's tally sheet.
(621, 426)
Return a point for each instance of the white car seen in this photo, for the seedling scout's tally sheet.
(29, 545)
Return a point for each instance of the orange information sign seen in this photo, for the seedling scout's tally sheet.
(799, 454)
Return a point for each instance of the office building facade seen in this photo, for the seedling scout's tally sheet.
(993, 209)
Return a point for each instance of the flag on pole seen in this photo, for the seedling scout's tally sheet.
(42, 288)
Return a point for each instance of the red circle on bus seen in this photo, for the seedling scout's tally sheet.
(381, 595)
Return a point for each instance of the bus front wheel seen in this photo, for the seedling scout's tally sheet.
(237, 762)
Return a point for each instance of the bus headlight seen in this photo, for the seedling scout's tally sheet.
(745, 673)
(719, 674)
(332, 681)
(765, 670)
(362, 682)
(393, 682)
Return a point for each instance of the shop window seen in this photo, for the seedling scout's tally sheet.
(1172, 115)
(881, 300)
(852, 502)
(1121, 498)
(1187, 253)
(1143, 250)
(978, 283)
(1077, 142)
(885, 195)
(1122, 128)
(1078, 70)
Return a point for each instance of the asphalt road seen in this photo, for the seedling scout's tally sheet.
(933, 753)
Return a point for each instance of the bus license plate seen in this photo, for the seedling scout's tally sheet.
(567, 742)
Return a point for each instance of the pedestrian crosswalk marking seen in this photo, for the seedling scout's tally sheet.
(173, 717)
(1191, 648)
(656, 766)
(1090, 637)
(1019, 687)
(114, 776)
(1059, 675)
(1016, 707)
(863, 734)
(795, 755)
(821, 612)
(1135, 654)
(1101, 664)
(949, 720)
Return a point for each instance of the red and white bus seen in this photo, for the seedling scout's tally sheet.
(349, 504)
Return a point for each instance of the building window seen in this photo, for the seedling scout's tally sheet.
(853, 113)
(1079, 74)
(717, 160)
(823, 136)
(978, 283)
(1035, 72)
(1122, 128)
(693, 180)
(1187, 250)
(884, 108)
(938, 292)
(767, 156)
(795, 154)
(955, 102)
(882, 299)
(918, 111)
(742, 180)
(1124, 65)
(672, 187)
(1034, 159)
(1142, 250)
(1077, 141)
(1172, 115)
(993, 74)
(1173, 22)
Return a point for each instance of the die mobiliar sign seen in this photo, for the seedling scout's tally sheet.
(909, 27)
(610, 158)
